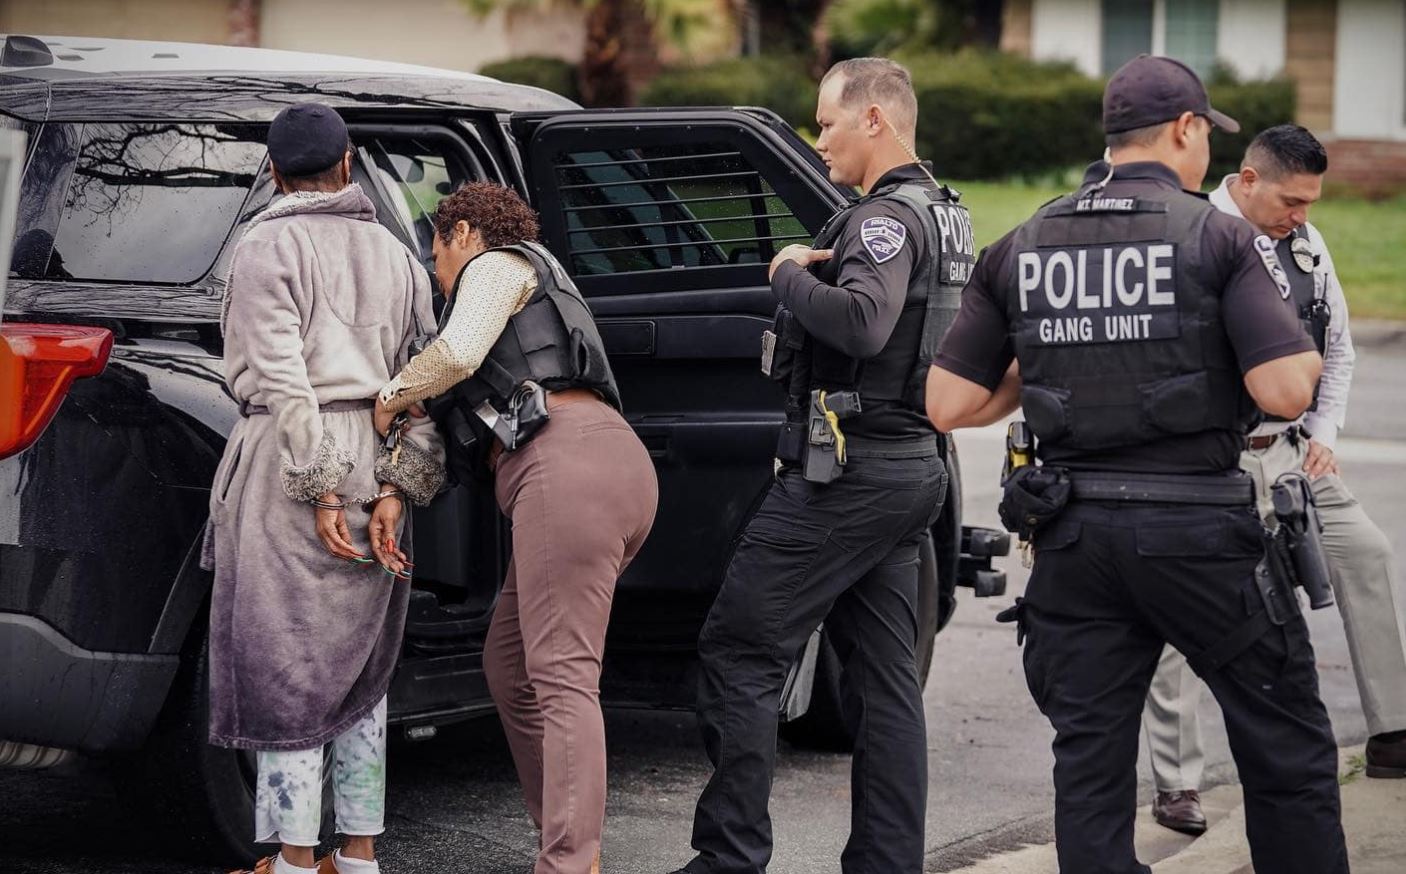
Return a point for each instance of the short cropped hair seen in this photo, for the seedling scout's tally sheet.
(1137, 137)
(1286, 150)
(878, 80)
(495, 211)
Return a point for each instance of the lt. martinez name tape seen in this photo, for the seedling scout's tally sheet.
(1104, 294)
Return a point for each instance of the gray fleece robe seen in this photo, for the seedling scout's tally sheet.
(322, 306)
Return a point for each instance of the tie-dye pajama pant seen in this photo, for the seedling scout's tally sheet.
(288, 802)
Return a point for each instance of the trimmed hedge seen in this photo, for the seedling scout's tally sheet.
(988, 116)
(1256, 105)
(981, 115)
(779, 83)
(553, 74)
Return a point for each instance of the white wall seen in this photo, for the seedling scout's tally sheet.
(1250, 37)
(1068, 30)
(435, 33)
(1369, 90)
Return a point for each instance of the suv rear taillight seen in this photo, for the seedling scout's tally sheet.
(38, 363)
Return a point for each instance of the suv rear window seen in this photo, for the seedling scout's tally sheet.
(144, 202)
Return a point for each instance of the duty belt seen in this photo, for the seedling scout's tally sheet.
(1231, 491)
(247, 409)
(881, 449)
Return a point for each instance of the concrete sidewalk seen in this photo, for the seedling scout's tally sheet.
(1374, 818)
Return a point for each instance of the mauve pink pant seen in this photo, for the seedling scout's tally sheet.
(581, 497)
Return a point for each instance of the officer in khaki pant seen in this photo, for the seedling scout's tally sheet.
(1279, 180)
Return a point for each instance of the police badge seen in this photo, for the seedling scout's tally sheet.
(1302, 251)
(882, 237)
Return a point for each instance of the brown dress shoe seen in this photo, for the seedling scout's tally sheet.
(1386, 755)
(263, 866)
(1180, 811)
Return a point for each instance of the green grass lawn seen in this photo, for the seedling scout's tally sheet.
(1367, 239)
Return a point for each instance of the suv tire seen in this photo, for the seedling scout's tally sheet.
(203, 794)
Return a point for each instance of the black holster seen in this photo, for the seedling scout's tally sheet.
(1033, 495)
(1296, 547)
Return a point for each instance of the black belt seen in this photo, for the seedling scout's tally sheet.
(1229, 491)
(247, 409)
(898, 449)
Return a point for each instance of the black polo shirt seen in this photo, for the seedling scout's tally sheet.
(852, 302)
(1261, 324)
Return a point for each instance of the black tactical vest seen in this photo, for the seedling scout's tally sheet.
(552, 341)
(899, 372)
(1119, 341)
(1300, 265)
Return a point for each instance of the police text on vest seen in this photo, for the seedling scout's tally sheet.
(1098, 294)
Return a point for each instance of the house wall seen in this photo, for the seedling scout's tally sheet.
(1016, 27)
(1068, 30)
(204, 21)
(1310, 52)
(1370, 80)
(436, 33)
(1250, 38)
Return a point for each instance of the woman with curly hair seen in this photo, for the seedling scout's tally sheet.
(519, 358)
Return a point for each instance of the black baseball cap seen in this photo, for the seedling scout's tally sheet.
(306, 139)
(1151, 90)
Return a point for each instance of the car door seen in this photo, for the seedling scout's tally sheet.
(667, 220)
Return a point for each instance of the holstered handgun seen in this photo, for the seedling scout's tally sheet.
(1296, 548)
(525, 416)
(825, 443)
(1020, 453)
(1020, 448)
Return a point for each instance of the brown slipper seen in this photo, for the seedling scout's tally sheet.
(327, 865)
(263, 866)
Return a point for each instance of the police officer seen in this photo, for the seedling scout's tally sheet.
(1280, 178)
(861, 478)
(1146, 326)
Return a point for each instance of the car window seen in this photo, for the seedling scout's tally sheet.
(134, 202)
(414, 173)
(669, 206)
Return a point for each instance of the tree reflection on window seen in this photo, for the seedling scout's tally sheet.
(155, 202)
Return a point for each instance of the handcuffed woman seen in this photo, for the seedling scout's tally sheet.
(322, 305)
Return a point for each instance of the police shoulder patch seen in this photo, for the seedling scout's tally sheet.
(883, 237)
(1264, 247)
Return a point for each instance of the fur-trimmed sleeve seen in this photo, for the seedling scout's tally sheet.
(419, 469)
(266, 310)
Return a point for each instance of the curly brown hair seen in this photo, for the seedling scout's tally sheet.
(496, 211)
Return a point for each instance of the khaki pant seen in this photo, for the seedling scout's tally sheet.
(581, 497)
(1359, 562)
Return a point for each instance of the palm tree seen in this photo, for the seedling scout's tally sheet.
(623, 38)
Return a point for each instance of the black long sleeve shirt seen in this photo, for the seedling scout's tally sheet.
(852, 302)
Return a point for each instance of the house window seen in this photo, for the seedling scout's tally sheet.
(1127, 31)
(1191, 33)
(1182, 29)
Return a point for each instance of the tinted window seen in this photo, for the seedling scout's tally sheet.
(153, 202)
(668, 206)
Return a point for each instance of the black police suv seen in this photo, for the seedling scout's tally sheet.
(145, 162)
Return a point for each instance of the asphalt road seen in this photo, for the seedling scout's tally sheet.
(454, 803)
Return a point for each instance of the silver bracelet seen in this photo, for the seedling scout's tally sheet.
(328, 505)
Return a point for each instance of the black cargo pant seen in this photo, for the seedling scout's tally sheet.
(1110, 584)
(845, 553)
